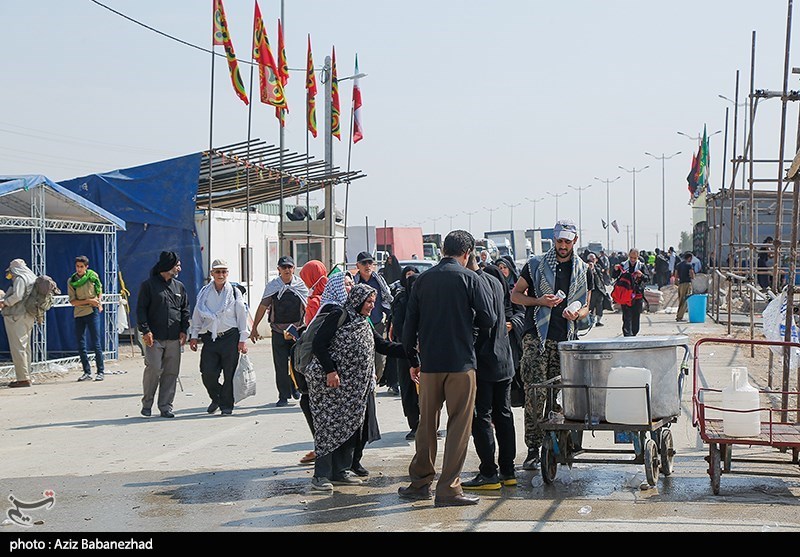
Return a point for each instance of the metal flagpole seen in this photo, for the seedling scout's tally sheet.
(280, 163)
(211, 143)
(246, 275)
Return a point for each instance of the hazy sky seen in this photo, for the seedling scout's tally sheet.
(468, 105)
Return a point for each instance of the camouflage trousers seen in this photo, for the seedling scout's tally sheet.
(536, 367)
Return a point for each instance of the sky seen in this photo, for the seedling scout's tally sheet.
(501, 109)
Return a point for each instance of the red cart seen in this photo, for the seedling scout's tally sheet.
(778, 431)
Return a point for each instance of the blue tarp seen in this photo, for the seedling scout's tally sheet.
(157, 201)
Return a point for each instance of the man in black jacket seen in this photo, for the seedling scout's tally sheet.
(162, 314)
(493, 415)
(446, 304)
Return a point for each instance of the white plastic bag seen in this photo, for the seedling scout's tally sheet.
(244, 379)
(775, 328)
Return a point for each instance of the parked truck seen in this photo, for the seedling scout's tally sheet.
(402, 242)
(513, 243)
(432, 246)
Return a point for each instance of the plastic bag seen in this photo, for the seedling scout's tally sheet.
(775, 328)
(244, 379)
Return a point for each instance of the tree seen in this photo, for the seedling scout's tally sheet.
(686, 242)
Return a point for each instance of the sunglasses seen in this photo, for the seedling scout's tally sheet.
(220, 271)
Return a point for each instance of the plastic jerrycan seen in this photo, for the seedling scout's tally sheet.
(740, 395)
(628, 405)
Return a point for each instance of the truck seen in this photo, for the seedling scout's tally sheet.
(402, 242)
(513, 243)
(541, 240)
(432, 246)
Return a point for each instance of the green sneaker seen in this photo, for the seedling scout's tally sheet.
(482, 482)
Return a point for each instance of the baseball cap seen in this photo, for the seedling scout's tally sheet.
(365, 256)
(219, 264)
(285, 261)
(565, 229)
(16, 264)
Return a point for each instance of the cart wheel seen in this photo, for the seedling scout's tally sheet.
(667, 450)
(651, 461)
(548, 463)
(714, 469)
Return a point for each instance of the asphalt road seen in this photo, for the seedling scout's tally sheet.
(111, 470)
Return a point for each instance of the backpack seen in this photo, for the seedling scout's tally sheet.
(41, 297)
(301, 353)
(622, 293)
(287, 309)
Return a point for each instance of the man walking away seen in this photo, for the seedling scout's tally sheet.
(447, 302)
(284, 300)
(18, 322)
(220, 320)
(85, 291)
(684, 273)
(543, 282)
(162, 312)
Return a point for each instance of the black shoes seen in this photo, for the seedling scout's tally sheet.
(213, 407)
(411, 435)
(295, 394)
(415, 493)
(146, 412)
(227, 411)
(481, 482)
(508, 480)
(360, 471)
(167, 414)
(532, 460)
(462, 500)
(282, 402)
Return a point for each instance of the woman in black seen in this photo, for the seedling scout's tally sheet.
(408, 389)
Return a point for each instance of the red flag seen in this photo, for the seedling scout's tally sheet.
(358, 130)
(283, 72)
(270, 85)
(335, 99)
(221, 37)
(311, 93)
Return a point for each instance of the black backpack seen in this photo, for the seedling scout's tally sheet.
(287, 309)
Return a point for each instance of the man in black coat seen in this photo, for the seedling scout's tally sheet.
(446, 304)
(493, 415)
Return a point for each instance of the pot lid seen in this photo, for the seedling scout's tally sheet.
(624, 343)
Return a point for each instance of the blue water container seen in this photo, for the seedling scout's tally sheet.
(697, 304)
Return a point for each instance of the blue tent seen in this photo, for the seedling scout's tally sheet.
(48, 226)
(157, 202)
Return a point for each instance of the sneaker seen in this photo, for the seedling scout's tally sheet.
(598, 324)
(282, 402)
(411, 435)
(508, 480)
(321, 484)
(347, 479)
(100, 377)
(532, 461)
(295, 394)
(146, 412)
(359, 471)
(482, 482)
(85, 377)
(213, 407)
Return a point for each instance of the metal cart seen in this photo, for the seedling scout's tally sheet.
(777, 431)
(583, 385)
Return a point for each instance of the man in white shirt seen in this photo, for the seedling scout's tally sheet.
(220, 320)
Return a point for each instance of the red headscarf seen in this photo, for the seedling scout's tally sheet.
(315, 275)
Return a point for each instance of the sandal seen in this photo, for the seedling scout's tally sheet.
(309, 458)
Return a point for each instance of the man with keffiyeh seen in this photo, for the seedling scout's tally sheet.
(220, 320)
(85, 290)
(547, 286)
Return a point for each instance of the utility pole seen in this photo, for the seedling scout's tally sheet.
(434, 219)
(469, 214)
(662, 158)
(557, 195)
(580, 209)
(512, 205)
(534, 201)
(608, 210)
(490, 216)
(633, 171)
(451, 217)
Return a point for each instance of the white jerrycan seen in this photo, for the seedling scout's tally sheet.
(740, 395)
(627, 405)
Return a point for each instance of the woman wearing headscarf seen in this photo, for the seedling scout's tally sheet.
(391, 270)
(341, 378)
(509, 270)
(315, 276)
(409, 396)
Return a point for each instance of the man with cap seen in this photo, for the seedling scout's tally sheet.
(383, 304)
(162, 314)
(284, 300)
(220, 320)
(547, 287)
(18, 322)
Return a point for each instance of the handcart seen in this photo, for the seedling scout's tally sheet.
(585, 384)
(778, 431)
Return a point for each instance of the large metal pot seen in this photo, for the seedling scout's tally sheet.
(588, 363)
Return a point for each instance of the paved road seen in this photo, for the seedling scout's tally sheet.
(112, 470)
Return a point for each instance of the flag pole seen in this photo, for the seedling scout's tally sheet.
(246, 263)
(349, 152)
(308, 192)
(281, 140)
(211, 137)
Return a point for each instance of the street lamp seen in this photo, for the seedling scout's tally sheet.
(490, 215)
(633, 171)
(512, 205)
(608, 210)
(451, 217)
(534, 201)
(469, 214)
(557, 195)
(699, 137)
(662, 158)
(434, 219)
(580, 211)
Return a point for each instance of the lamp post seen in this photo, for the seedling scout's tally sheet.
(608, 210)
(434, 219)
(469, 214)
(662, 158)
(580, 209)
(699, 137)
(633, 171)
(557, 195)
(451, 217)
(534, 201)
(490, 215)
(511, 206)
